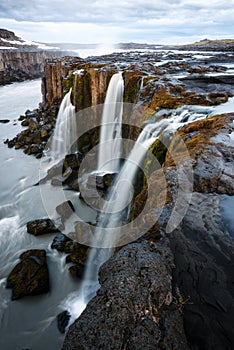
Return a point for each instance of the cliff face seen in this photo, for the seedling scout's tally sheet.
(88, 81)
(18, 66)
(20, 59)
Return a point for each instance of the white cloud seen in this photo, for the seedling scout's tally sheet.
(127, 20)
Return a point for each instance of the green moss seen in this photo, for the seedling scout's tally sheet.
(159, 152)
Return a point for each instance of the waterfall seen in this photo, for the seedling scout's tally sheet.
(111, 135)
(118, 203)
(65, 132)
(114, 211)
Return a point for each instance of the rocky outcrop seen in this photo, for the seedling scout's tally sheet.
(30, 276)
(40, 125)
(134, 308)
(8, 40)
(210, 45)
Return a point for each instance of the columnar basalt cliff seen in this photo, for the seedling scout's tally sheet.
(18, 66)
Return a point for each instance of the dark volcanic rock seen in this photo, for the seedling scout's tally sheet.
(41, 226)
(78, 253)
(77, 270)
(133, 308)
(63, 320)
(201, 244)
(204, 277)
(30, 276)
(4, 121)
(60, 241)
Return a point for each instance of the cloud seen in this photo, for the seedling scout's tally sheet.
(127, 20)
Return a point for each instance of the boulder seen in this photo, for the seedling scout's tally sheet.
(30, 276)
(60, 241)
(63, 320)
(41, 226)
(33, 149)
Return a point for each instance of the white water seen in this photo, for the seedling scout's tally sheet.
(120, 197)
(114, 210)
(111, 135)
(65, 131)
(29, 322)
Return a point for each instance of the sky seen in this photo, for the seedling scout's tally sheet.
(113, 21)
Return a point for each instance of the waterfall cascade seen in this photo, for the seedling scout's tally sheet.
(65, 132)
(111, 136)
(116, 208)
(117, 205)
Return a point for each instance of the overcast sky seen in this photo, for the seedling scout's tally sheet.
(90, 21)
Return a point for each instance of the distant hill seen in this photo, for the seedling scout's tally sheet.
(209, 45)
(124, 46)
(9, 41)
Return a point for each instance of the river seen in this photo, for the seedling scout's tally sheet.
(29, 322)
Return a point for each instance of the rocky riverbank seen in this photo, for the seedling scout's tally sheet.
(173, 288)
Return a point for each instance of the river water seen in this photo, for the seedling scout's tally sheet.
(29, 322)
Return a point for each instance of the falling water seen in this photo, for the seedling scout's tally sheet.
(114, 211)
(111, 135)
(116, 207)
(118, 203)
(65, 132)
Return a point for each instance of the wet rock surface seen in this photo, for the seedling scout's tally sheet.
(202, 243)
(59, 242)
(76, 253)
(203, 278)
(134, 308)
(63, 320)
(30, 276)
(41, 226)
